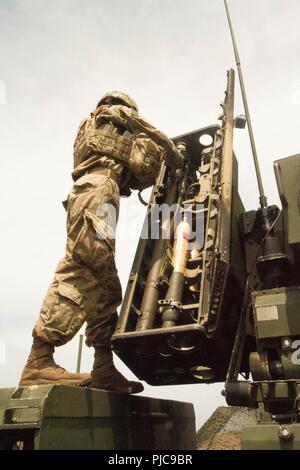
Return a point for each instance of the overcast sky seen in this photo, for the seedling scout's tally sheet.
(58, 58)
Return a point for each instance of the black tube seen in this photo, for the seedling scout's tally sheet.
(149, 304)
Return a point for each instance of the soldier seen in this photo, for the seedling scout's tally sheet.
(115, 151)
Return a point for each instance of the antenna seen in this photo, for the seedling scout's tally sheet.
(79, 354)
(272, 266)
(262, 196)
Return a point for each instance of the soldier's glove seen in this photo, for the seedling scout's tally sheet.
(138, 125)
(173, 157)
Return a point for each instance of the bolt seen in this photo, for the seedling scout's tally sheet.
(286, 343)
(285, 434)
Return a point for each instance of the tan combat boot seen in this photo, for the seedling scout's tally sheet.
(41, 369)
(106, 377)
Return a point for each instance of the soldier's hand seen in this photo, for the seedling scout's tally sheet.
(173, 156)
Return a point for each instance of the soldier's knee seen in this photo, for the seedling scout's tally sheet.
(62, 313)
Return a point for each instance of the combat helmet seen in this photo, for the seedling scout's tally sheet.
(118, 97)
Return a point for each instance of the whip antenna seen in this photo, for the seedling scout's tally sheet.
(262, 198)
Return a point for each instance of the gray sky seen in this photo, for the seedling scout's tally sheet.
(58, 58)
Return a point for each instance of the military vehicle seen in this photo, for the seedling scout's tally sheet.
(229, 308)
(213, 296)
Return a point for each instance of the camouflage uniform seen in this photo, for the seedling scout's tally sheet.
(86, 287)
(115, 150)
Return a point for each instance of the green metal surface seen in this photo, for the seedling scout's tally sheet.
(266, 437)
(287, 171)
(277, 312)
(64, 417)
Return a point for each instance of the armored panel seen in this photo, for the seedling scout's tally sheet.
(277, 312)
(58, 417)
(271, 437)
(287, 172)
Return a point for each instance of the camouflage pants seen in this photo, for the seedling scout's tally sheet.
(86, 287)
